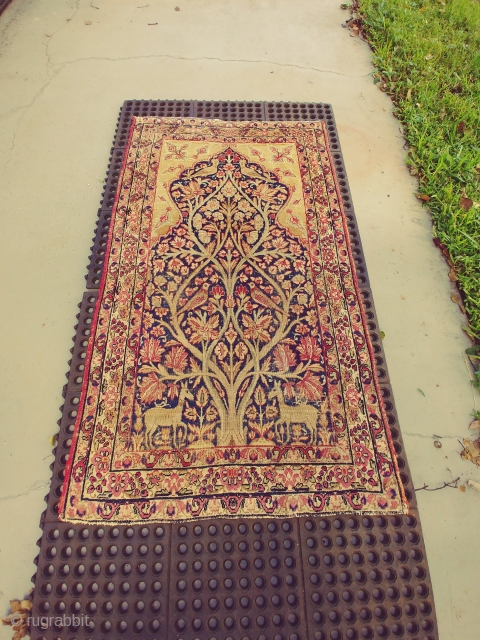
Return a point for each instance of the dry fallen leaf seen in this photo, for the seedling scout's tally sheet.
(461, 127)
(409, 94)
(453, 276)
(177, 8)
(475, 425)
(462, 488)
(429, 56)
(424, 197)
(18, 618)
(88, 22)
(458, 301)
(471, 451)
(466, 203)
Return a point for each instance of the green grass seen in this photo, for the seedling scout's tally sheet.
(427, 53)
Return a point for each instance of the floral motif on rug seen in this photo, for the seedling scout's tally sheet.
(229, 370)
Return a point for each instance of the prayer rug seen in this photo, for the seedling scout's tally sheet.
(229, 370)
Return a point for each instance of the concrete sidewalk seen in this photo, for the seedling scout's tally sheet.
(66, 68)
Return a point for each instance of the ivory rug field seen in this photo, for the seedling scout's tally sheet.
(229, 370)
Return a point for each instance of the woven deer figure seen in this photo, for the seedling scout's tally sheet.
(165, 417)
(294, 414)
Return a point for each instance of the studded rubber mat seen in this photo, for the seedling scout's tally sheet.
(3, 5)
(323, 578)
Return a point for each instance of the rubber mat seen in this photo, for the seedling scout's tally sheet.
(325, 578)
(3, 5)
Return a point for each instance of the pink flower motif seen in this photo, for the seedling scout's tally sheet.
(352, 395)
(221, 350)
(361, 455)
(118, 483)
(111, 397)
(289, 478)
(345, 476)
(335, 294)
(173, 482)
(155, 478)
(101, 460)
(344, 343)
(241, 291)
(232, 476)
(218, 292)
(124, 296)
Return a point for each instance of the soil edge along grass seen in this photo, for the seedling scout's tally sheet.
(427, 55)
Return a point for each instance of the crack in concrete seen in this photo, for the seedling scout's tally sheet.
(430, 437)
(50, 68)
(54, 68)
(213, 59)
(38, 484)
(61, 65)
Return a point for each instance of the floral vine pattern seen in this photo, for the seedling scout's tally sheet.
(229, 371)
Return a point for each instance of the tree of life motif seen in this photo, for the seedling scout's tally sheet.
(230, 313)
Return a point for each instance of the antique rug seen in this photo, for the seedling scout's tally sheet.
(229, 370)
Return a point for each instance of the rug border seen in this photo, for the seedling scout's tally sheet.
(404, 505)
(91, 338)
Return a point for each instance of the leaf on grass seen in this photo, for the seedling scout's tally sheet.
(409, 94)
(466, 203)
(423, 394)
(429, 56)
(423, 197)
